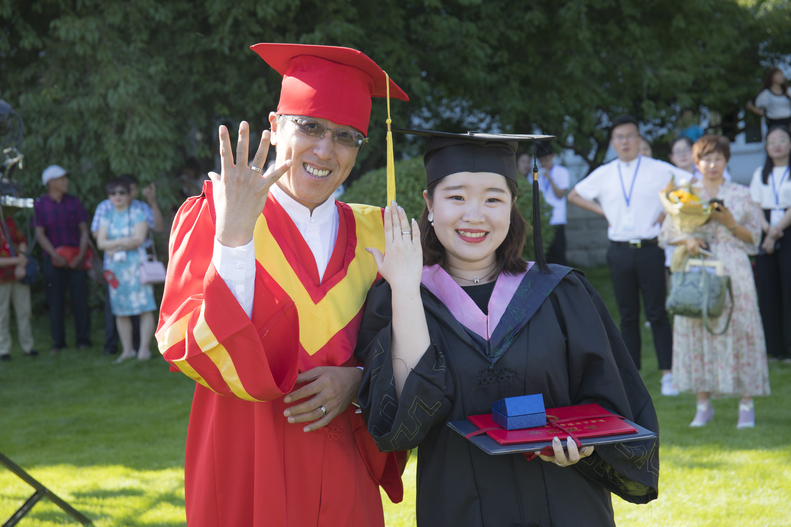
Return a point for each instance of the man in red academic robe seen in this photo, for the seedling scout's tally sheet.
(262, 309)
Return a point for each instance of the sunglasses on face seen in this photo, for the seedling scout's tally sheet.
(342, 136)
(117, 192)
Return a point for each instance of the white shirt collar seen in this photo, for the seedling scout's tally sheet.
(300, 213)
(630, 164)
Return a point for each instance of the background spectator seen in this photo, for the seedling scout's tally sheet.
(681, 154)
(61, 222)
(156, 223)
(645, 148)
(774, 100)
(733, 363)
(627, 191)
(191, 178)
(524, 164)
(688, 126)
(553, 180)
(121, 235)
(12, 269)
(771, 190)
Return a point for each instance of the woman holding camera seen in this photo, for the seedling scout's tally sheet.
(733, 363)
(121, 234)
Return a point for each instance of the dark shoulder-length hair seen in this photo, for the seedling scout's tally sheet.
(769, 165)
(508, 255)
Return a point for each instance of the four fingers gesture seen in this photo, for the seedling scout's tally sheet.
(240, 190)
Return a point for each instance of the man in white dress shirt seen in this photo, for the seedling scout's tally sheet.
(627, 194)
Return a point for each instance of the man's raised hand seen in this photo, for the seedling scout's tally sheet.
(240, 191)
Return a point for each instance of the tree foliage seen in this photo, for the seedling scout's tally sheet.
(115, 86)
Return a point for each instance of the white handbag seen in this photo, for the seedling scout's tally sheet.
(152, 271)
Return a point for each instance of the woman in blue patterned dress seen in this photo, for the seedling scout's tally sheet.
(121, 235)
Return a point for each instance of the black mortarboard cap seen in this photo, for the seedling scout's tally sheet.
(449, 153)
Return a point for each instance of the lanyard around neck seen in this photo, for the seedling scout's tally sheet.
(631, 189)
(776, 189)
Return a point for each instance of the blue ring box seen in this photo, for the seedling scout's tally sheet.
(516, 413)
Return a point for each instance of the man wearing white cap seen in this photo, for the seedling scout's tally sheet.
(62, 232)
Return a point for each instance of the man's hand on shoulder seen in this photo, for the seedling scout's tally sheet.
(333, 388)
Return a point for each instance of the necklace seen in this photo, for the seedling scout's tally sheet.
(474, 280)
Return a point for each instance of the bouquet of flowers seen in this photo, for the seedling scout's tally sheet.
(682, 202)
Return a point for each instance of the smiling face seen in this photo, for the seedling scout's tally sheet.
(319, 165)
(471, 214)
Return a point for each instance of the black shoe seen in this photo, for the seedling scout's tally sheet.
(110, 351)
(31, 353)
(5, 358)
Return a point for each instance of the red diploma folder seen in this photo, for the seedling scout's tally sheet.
(589, 423)
(585, 420)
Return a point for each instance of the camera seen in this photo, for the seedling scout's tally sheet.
(11, 126)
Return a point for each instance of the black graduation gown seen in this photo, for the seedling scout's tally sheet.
(569, 350)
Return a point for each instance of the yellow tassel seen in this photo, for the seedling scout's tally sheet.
(391, 187)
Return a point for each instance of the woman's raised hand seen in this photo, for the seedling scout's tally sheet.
(240, 190)
(402, 263)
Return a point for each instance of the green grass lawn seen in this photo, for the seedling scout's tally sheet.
(110, 440)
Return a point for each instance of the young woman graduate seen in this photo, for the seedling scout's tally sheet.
(462, 321)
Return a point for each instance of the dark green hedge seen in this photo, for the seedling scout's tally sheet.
(371, 188)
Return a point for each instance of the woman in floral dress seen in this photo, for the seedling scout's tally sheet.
(121, 233)
(734, 363)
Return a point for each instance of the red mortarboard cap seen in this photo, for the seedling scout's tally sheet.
(327, 82)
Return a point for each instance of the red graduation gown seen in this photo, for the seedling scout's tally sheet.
(245, 465)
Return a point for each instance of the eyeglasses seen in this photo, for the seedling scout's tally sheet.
(342, 136)
(117, 192)
(620, 138)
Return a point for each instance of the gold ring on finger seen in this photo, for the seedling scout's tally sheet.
(561, 465)
(323, 410)
(253, 167)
